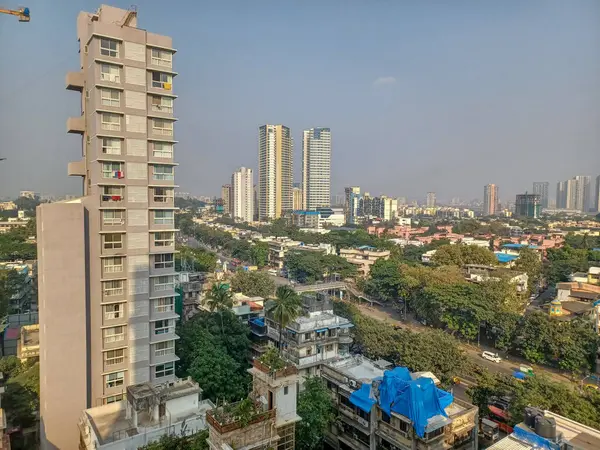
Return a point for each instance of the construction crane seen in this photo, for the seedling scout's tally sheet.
(21, 13)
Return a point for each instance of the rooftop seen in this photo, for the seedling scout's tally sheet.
(359, 368)
(519, 246)
(505, 257)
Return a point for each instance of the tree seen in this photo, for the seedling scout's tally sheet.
(307, 266)
(22, 391)
(259, 254)
(459, 255)
(217, 360)
(196, 441)
(253, 284)
(529, 262)
(316, 409)
(219, 299)
(286, 307)
(201, 260)
(384, 279)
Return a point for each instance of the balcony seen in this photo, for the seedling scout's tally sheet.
(162, 356)
(167, 334)
(114, 364)
(76, 168)
(114, 248)
(112, 319)
(74, 81)
(163, 199)
(163, 312)
(110, 201)
(113, 224)
(114, 294)
(76, 125)
(115, 341)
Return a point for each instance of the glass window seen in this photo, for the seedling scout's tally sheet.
(110, 97)
(162, 127)
(113, 241)
(113, 288)
(164, 261)
(162, 173)
(113, 380)
(112, 170)
(112, 312)
(162, 104)
(162, 80)
(109, 47)
(163, 195)
(164, 239)
(162, 150)
(113, 264)
(164, 283)
(113, 217)
(164, 348)
(164, 217)
(110, 72)
(111, 146)
(163, 327)
(162, 57)
(114, 334)
(114, 357)
(164, 370)
(110, 121)
(164, 304)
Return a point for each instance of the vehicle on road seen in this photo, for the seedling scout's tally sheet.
(489, 430)
(273, 272)
(527, 370)
(491, 356)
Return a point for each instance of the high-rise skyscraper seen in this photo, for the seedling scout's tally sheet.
(297, 203)
(106, 260)
(275, 171)
(431, 199)
(242, 195)
(490, 199)
(575, 194)
(542, 188)
(226, 197)
(596, 196)
(561, 195)
(528, 205)
(316, 168)
(351, 204)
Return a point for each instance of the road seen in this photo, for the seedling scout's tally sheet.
(507, 366)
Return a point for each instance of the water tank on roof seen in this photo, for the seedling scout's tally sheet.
(545, 427)
(530, 415)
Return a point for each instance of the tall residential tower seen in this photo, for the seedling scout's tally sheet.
(542, 188)
(316, 168)
(106, 260)
(242, 195)
(490, 199)
(275, 171)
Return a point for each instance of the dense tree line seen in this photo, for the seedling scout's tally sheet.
(21, 398)
(201, 260)
(14, 245)
(308, 266)
(562, 262)
(458, 255)
(253, 284)
(195, 441)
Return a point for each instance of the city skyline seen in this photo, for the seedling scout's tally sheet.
(407, 105)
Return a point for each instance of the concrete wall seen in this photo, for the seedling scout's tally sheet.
(63, 300)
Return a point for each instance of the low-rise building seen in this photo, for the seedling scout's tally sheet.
(266, 419)
(316, 337)
(20, 301)
(148, 413)
(28, 347)
(478, 273)
(383, 408)
(426, 257)
(592, 276)
(332, 217)
(547, 430)
(306, 219)
(364, 257)
(7, 206)
(6, 226)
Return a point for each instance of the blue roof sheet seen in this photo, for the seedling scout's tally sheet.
(505, 257)
(519, 246)
(306, 213)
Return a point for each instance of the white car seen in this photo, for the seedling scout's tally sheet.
(491, 356)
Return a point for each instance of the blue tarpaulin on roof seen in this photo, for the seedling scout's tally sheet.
(260, 321)
(419, 399)
(505, 257)
(320, 330)
(363, 398)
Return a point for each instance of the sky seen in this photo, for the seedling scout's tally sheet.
(420, 95)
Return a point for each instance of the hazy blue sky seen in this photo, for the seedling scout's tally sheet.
(420, 95)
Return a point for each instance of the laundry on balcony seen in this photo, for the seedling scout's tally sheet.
(115, 198)
(118, 174)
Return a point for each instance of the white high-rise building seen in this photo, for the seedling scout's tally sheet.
(431, 199)
(490, 199)
(242, 195)
(275, 171)
(316, 168)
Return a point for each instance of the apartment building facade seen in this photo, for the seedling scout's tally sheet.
(316, 168)
(275, 171)
(106, 260)
(490, 200)
(242, 195)
(542, 188)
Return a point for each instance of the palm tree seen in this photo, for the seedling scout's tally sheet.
(218, 299)
(285, 309)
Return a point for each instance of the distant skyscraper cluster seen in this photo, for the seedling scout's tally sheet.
(431, 199)
(542, 188)
(360, 207)
(577, 194)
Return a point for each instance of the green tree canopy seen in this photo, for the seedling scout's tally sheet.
(316, 409)
(459, 255)
(308, 266)
(22, 391)
(253, 284)
(201, 260)
(196, 441)
(285, 308)
(529, 262)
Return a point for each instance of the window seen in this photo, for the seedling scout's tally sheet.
(164, 283)
(114, 398)
(113, 380)
(112, 288)
(162, 127)
(163, 327)
(162, 58)
(164, 370)
(111, 146)
(285, 390)
(114, 334)
(164, 261)
(385, 417)
(164, 348)
(109, 72)
(113, 241)
(309, 351)
(114, 357)
(162, 173)
(164, 239)
(112, 193)
(113, 217)
(110, 97)
(111, 122)
(109, 47)
(307, 336)
(162, 150)
(164, 304)
(164, 218)
(112, 170)
(113, 264)
(112, 312)
(163, 195)
(162, 104)
(162, 80)
(329, 348)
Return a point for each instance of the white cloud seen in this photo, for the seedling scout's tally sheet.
(384, 81)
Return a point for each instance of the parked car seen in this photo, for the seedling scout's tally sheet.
(491, 356)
